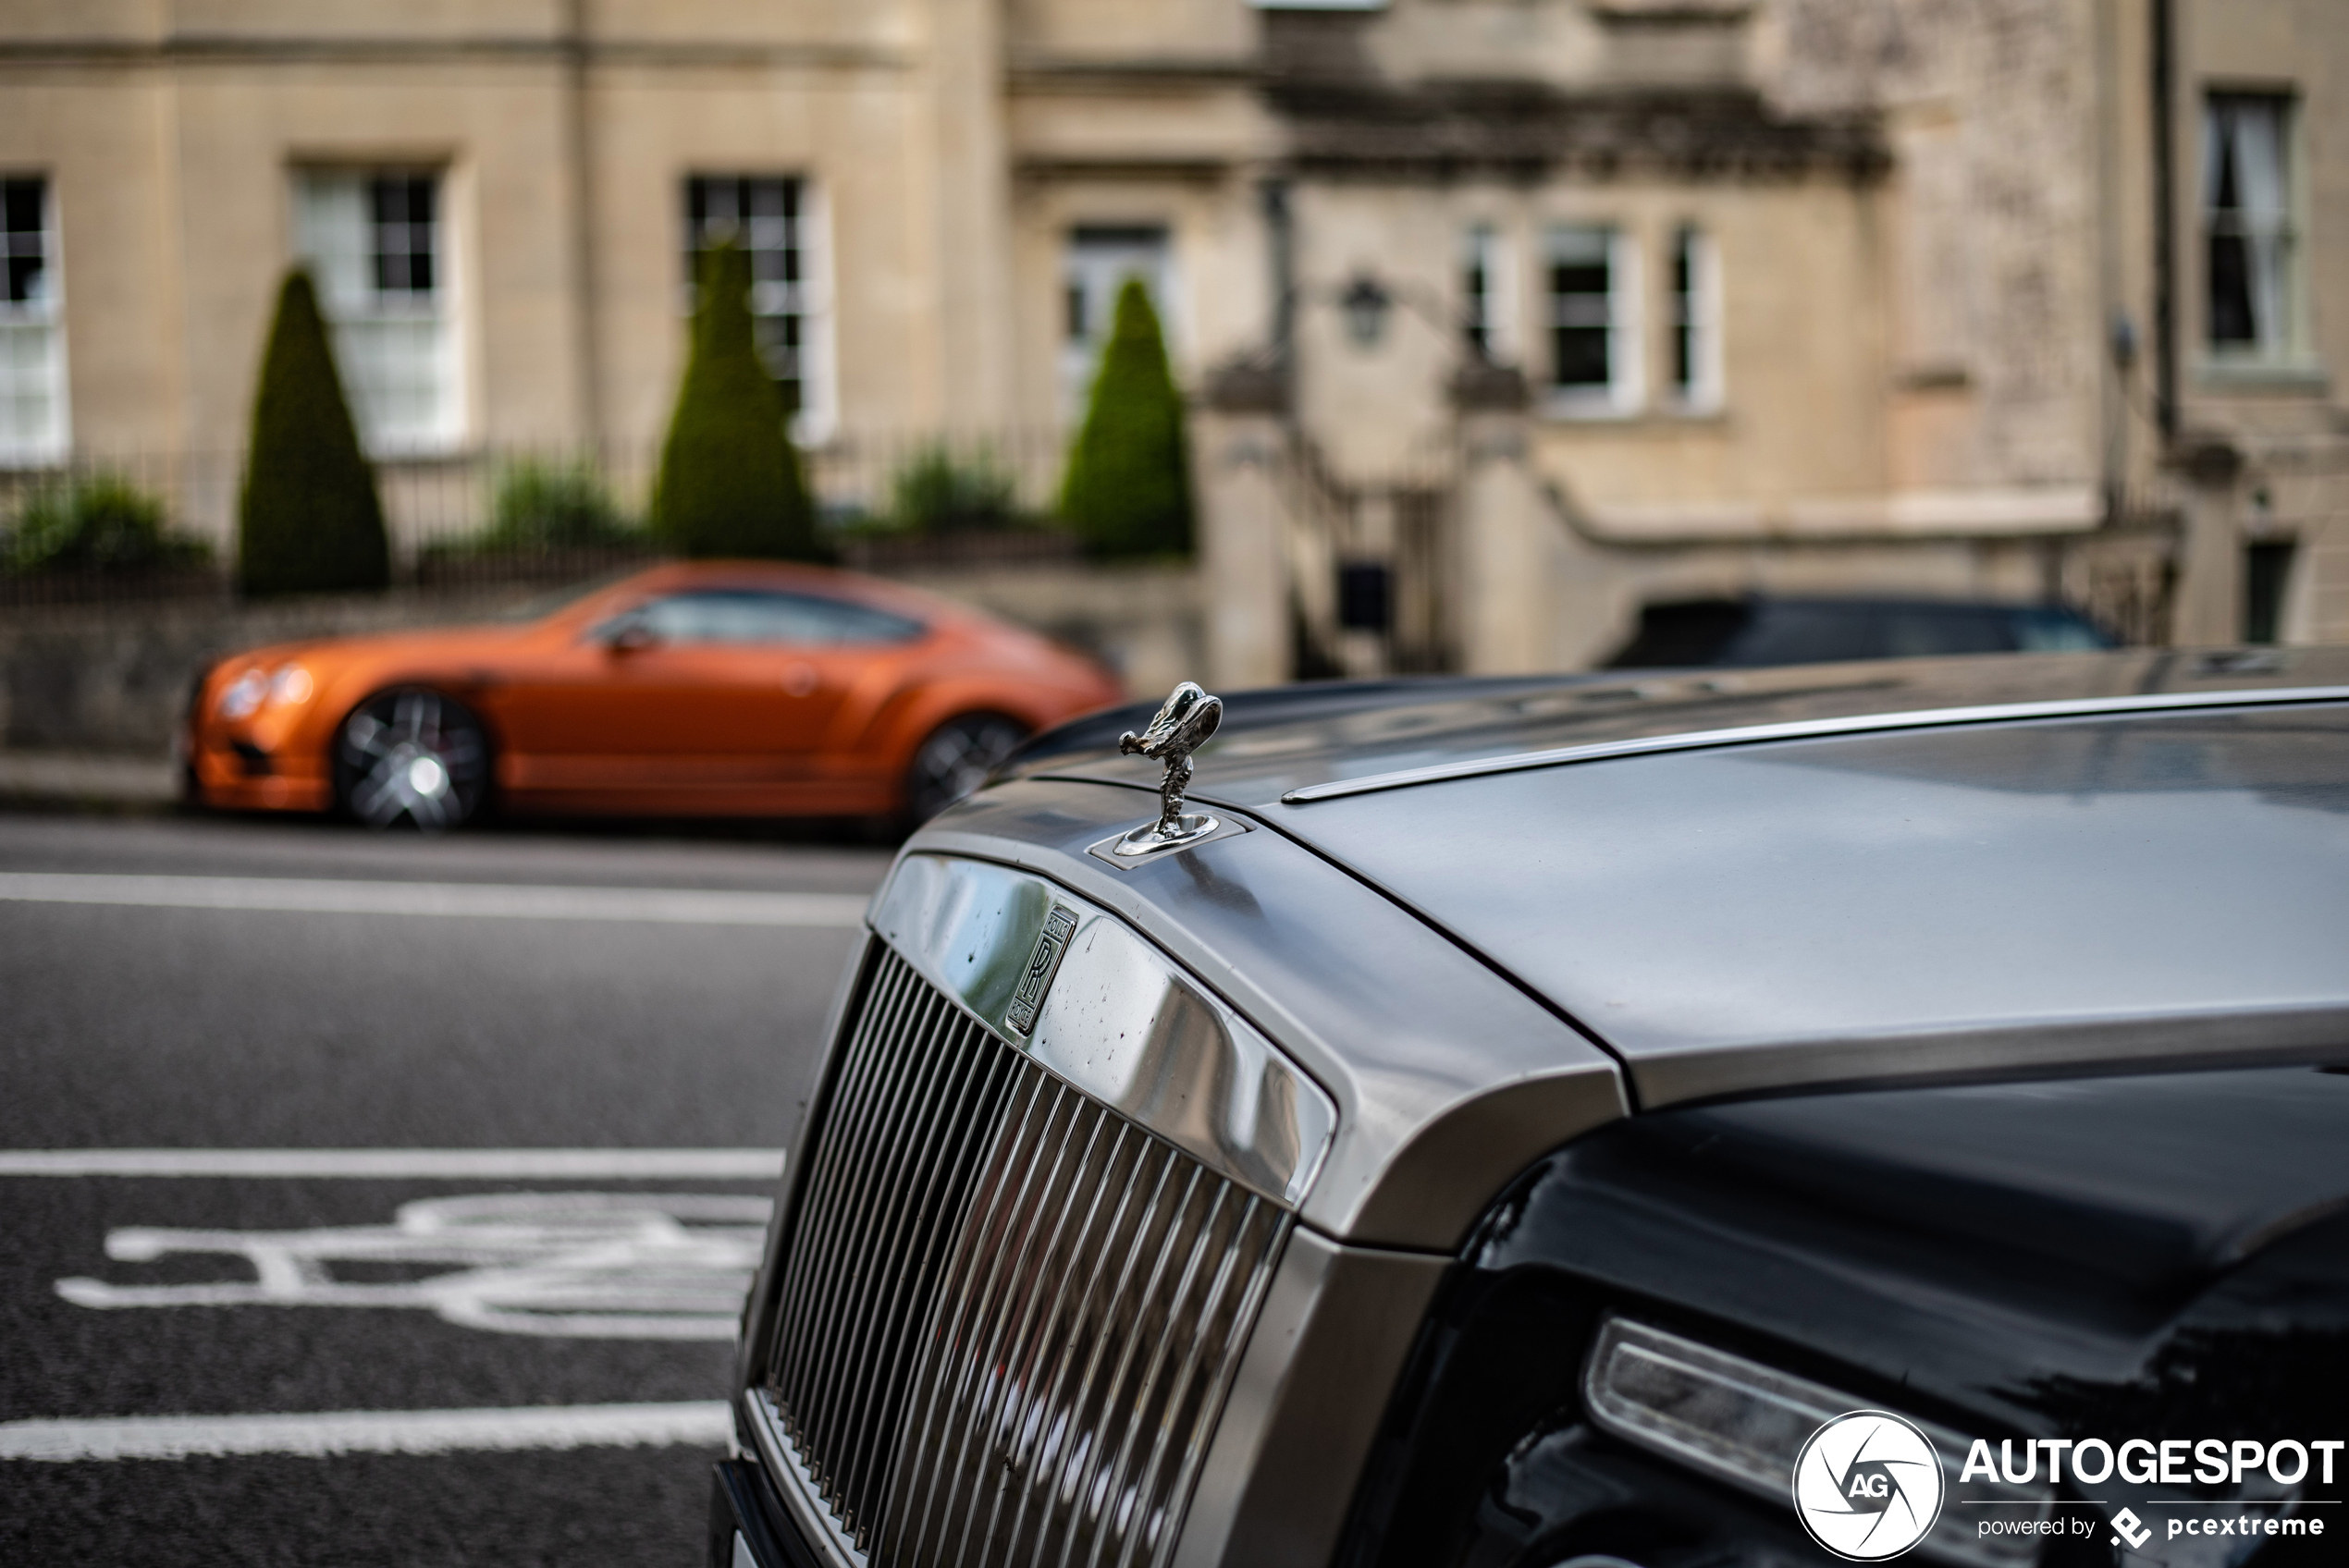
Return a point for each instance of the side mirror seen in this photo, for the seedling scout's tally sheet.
(629, 637)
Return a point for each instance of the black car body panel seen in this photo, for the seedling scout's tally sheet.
(744, 1509)
(2164, 1256)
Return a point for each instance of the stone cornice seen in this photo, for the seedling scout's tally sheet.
(1049, 168)
(181, 49)
(1053, 73)
(1438, 130)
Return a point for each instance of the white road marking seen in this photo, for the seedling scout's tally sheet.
(601, 1266)
(478, 900)
(702, 1424)
(468, 1165)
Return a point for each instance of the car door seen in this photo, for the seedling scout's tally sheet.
(719, 688)
(829, 647)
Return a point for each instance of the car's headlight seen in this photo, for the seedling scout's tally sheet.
(293, 686)
(1746, 1424)
(242, 697)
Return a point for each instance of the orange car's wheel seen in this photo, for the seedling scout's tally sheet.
(955, 758)
(411, 754)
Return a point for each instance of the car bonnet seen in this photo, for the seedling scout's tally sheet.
(2033, 896)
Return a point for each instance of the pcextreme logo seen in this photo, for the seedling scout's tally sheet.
(1868, 1485)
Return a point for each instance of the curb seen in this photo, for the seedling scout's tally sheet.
(89, 781)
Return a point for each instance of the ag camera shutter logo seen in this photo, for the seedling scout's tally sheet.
(1868, 1485)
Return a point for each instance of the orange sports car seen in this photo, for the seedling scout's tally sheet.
(719, 688)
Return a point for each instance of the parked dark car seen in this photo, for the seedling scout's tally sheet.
(1719, 1122)
(1766, 629)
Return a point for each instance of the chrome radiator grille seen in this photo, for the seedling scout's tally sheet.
(1008, 1316)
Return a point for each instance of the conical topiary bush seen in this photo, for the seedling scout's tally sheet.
(730, 481)
(1128, 487)
(310, 520)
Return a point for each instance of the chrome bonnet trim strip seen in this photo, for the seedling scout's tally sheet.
(1808, 729)
(1107, 1012)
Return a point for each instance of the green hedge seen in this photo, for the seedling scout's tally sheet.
(1127, 491)
(937, 492)
(551, 506)
(96, 522)
(310, 520)
(729, 481)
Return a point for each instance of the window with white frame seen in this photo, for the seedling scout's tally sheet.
(1097, 262)
(1696, 320)
(2250, 239)
(773, 219)
(1594, 320)
(32, 343)
(1484, 295)
(375, 243)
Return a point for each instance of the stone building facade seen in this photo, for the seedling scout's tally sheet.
(1501, 316)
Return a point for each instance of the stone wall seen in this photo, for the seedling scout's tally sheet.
(1996, 308)
(116, 676)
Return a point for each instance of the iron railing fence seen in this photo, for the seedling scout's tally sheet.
(448, 529)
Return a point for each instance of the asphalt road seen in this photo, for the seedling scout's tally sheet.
(460, 1306)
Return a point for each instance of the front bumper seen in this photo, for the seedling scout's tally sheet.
(749, 1528)
(233, 771)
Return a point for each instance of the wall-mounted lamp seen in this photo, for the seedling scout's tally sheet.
(1365, 302)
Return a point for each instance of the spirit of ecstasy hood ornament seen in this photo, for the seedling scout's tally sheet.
(1189, 717)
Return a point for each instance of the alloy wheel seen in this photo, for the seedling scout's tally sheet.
(412, 755)
(955, 759)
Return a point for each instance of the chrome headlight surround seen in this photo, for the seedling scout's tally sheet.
(1744, 1423)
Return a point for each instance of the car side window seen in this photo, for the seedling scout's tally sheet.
(1794, 632)
(742, 616)
(1933, 631)
(2057, 631)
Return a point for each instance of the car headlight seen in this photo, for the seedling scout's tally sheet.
(1746, 1424)
(242, 697)
(293, 686)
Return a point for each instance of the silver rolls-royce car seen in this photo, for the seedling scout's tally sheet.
(1723, 1119)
